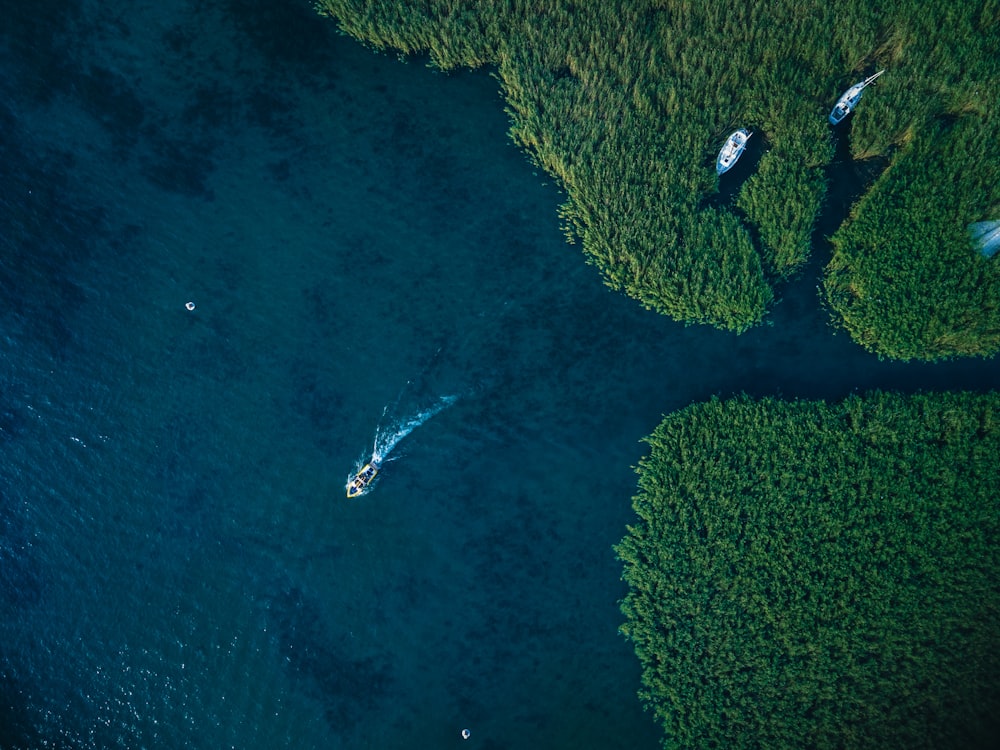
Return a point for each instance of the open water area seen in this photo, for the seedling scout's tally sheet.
(179, 566)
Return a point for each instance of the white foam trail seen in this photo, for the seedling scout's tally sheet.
(385, 441)
(387, 438)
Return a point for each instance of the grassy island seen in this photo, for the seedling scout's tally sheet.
(626, 103)
(813, 575)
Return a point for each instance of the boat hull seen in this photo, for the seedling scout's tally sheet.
(363, 479)
(846, 104)
(850, 98)
(733, 149)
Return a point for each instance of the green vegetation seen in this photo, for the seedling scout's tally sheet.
(627, 103)
(808, 575)
(801, 574)
(905, 276)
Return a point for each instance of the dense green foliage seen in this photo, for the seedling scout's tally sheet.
(905, 277)
(627, 103)
(807, 575)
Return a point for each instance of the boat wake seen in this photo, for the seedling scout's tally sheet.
(387, 438)
(388, 434)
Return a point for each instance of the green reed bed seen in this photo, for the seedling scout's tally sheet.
(627, 103)
(813, 575)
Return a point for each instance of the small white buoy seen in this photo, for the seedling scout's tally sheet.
(466, 734)
(189, 306)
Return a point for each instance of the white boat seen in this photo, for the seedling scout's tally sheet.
(732, 150)
(850, 98)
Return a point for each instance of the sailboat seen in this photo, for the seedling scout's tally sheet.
(732, 150)
(850, 98)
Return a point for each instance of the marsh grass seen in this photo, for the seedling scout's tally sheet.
(625, 103)
(813, 575)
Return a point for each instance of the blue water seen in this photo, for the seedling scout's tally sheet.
(179, 566)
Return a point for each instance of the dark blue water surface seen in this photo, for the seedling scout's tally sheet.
(180, 567)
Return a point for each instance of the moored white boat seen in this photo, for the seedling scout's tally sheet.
(733, 149)
(850, 98)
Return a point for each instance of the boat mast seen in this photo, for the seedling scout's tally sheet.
(871, 79)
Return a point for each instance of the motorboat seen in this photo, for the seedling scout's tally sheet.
(850, 98)
(363, 479)
(733, 149)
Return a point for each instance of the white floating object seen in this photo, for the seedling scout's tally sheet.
(189, 306)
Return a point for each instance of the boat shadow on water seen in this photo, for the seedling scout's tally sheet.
(848, 179)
